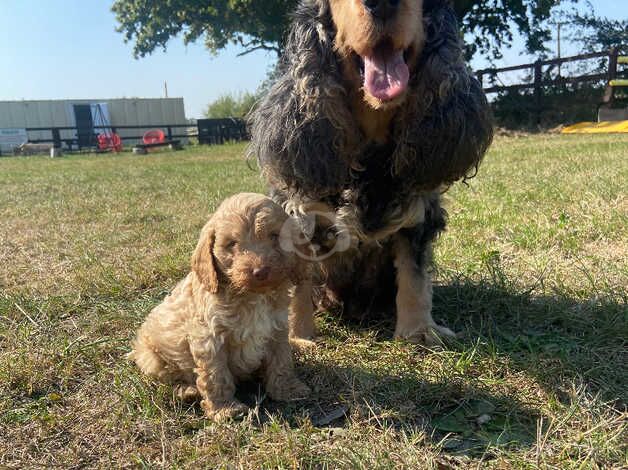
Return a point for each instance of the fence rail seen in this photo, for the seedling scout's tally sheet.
(57, 140)
(537, 67)
(562, 60)
(210, 131)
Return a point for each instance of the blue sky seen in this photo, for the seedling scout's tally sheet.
(70, 49)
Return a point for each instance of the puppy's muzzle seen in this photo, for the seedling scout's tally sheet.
(261, 274)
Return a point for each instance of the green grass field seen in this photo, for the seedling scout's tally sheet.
(532, 271)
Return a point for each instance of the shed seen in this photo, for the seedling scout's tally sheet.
(77, 122)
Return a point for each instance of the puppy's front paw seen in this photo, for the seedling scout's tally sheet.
(301, 345)
(186, 393)
(221, 412)
(289, 390)
(429, 335)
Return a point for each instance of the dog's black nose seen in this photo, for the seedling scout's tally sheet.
(261, 274)
(382, 9)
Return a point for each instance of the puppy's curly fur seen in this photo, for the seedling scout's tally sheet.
(228, 319)
(321, 137)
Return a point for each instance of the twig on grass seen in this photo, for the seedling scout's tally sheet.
(26, 315)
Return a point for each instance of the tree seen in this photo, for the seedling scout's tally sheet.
(231, 105)
(595, 34)
(261, 24)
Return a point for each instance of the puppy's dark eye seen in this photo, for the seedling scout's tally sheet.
(274, 236)
(231, 244)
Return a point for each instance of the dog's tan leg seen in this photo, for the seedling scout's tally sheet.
(414, 299)
(214, 381)
(302, 328)
(280, 379)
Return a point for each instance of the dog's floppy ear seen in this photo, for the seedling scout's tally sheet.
(203, 259)
(302, 132)
(447, 126)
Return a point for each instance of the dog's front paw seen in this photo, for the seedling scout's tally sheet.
(289, 390)
(429, 335)
(221, 412)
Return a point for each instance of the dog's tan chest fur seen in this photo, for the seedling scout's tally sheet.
(374, 123)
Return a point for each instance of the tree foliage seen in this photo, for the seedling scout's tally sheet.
(594, 33)
(490, 25)
(261, 24)
(231, 105)
(252, 24)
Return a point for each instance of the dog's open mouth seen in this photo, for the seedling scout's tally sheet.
(384, 71)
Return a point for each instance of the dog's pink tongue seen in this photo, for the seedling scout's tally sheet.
(385, 75)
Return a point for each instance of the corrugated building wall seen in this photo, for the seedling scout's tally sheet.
(152, 112)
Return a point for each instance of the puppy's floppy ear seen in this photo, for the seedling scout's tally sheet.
(203, 259)
(302, 132)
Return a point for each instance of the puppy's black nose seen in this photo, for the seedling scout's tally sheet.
(261, 274)
(382, 9)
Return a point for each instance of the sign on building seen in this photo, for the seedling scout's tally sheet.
(11, 138)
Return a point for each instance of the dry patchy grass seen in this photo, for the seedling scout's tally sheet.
(532, 271)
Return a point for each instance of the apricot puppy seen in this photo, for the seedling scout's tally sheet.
(228, 319)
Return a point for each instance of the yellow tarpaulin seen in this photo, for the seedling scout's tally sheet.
(604, 127)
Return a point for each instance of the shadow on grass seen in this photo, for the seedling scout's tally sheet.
(557, 339)
(554, 341)
(461, 418)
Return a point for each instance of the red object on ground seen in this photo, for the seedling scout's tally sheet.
(109, 142)
(154, 136)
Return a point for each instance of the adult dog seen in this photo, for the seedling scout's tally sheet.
(372, 116)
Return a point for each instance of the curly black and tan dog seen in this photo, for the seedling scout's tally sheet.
(372, 116)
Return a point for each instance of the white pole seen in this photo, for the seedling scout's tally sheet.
(558, 40)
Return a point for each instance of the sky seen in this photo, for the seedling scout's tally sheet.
(69, 49)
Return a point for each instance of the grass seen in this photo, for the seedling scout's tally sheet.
(533, 271)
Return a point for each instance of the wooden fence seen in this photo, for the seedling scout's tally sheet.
(219, 131)
(539, 82)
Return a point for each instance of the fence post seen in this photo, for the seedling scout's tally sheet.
(56, 138)
(612, 63)
(538, 90)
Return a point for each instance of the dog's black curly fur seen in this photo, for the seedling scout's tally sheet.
(307, 140)
(310, 146)
(303, 132)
